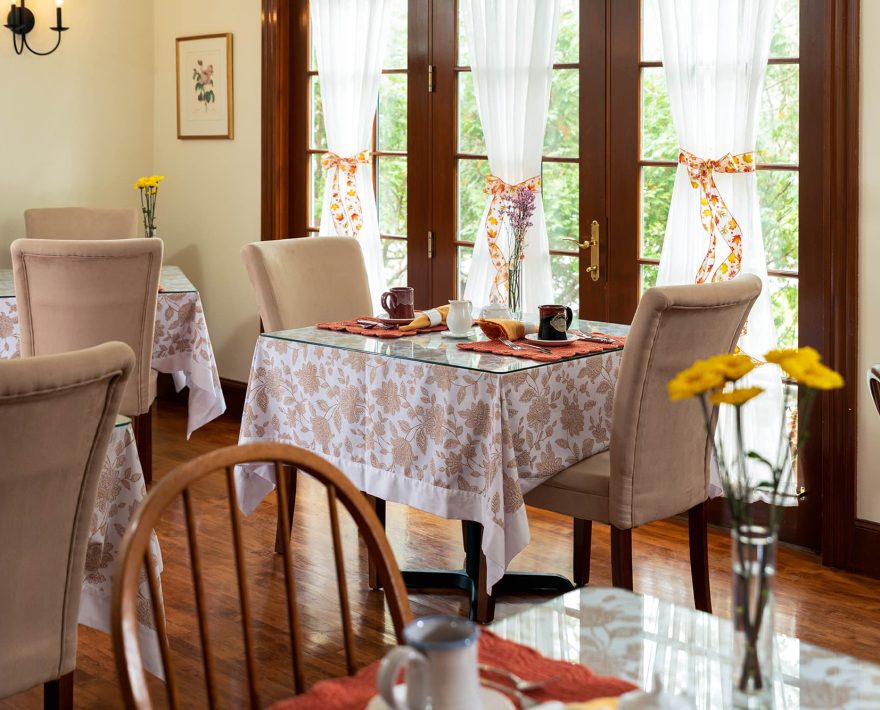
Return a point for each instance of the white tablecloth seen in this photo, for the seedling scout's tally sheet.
(456, 442)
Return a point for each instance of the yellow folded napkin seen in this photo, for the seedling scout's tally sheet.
(496, 328)
(426, 319)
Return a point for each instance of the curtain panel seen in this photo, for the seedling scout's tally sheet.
(511, 46)
(715, 55)
(349, 44)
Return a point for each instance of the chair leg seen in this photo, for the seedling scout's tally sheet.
(143, 437)
(583, 536)
(58, 694)
(698, 535)
(621, 558)
(291, 504)
(379, 507)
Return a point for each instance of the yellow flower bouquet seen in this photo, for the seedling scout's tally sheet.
(717, 382)
(149, 189)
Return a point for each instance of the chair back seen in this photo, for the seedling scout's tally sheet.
(75, 294)
(874, 385)
(660, 449)
(300, 282)
(56, 416)
(177, 483)
(81, 223)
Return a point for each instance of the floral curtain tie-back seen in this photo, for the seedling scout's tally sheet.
(715, 215)
(345, 203)
(498, 189)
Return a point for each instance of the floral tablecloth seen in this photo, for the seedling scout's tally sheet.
(182, 346)
(454, 441)
(120, 490)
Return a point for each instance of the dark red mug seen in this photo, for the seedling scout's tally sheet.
(398, 302)
(555, 320)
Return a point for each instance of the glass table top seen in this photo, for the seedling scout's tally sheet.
(171, 278)
(434, 348)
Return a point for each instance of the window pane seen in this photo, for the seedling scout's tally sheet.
(394, 254)
(565, 279)
(391, 179)
(658, 132)
(464, 267)
(652, 40)
(786, 29)
(778, 191)
(560, 187)
(317, 134)
(784, 302)
(657, 184)
(395, 34)
(392, 112)
(471, 198)
(648, 276)
(568, 43)
(316, 190)
(464, 59)
(561, 134)
(470, 131)
(778, 126)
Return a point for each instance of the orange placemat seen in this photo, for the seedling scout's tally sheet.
(351, 326)
(571, 682)
(580, 347)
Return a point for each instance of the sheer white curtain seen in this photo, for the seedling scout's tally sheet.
(511, 46)
(349, 43)
(715, 56)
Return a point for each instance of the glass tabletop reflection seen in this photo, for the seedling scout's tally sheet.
(434, 348)
(171, 278)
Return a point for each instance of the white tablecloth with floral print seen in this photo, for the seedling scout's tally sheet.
(181, 348)
(413, 422)
(120, 490)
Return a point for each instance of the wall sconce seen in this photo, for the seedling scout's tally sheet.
(20, 21)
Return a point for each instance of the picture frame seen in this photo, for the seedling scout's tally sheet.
(204, 86)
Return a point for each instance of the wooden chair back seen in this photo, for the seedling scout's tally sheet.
(134, 557)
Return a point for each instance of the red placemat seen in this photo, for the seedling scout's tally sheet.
(571, 682)
(580, 347)
(351, 326)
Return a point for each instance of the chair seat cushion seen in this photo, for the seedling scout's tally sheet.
(580, 491)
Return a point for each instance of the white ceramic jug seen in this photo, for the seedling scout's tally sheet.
(460, 317)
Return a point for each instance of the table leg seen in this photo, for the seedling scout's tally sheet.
(142, 424)
(378, 506)
(291, 504)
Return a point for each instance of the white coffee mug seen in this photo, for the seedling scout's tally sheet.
(441, 666)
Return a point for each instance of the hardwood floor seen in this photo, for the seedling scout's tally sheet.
(833, 609)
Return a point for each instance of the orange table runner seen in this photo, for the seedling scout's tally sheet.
(352, 326)
(571, 682)
(561, 352)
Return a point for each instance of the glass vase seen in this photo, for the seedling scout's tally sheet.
(514, 290)
(753, 553)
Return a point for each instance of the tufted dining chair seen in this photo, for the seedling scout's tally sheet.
(658, 463)
(81, 223)
(56, 417)
(75, 294)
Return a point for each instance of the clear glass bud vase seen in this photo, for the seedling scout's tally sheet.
(753, 553)
(514, 290)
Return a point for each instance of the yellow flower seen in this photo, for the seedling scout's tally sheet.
(806, 354)
(698, 378)
(735, 396)
(733, 366)
(804, 366)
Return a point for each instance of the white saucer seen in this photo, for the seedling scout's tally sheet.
(491, 699)
(450, 334)
(569, 338)
(394, 321)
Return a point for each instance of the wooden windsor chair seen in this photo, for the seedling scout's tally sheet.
(286, 459)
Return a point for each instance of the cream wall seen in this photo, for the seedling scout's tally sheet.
(210, 204)
(76, 127)
(869, 257)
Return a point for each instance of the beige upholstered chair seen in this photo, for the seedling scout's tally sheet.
(56, 416)
(300, 282)
(658, 464)
(75, 294)
(81, 223)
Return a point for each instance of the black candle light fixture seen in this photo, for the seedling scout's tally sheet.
(20, 21)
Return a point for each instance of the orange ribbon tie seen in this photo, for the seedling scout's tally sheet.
(345, 203)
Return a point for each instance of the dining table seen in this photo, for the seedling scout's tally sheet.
(418, 420)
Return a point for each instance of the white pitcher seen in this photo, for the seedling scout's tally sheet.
(460, 317)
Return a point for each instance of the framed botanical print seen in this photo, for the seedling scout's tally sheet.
(204, 86)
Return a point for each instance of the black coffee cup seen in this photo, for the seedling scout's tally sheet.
(555, 321)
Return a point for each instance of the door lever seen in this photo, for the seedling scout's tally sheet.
(593, 245)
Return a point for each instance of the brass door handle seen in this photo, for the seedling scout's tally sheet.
(593, 245)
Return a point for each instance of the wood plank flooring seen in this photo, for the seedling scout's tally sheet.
(837, 610)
